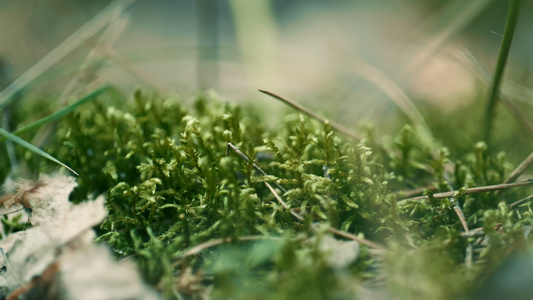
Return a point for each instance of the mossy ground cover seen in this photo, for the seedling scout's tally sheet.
(202, 221)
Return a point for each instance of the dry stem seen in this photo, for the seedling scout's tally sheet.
(306, 111)
(520, 169)
(300, 217)
(481, 189)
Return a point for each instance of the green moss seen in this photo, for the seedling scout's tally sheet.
(171, 185)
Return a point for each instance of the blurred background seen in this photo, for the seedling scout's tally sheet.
(349, 60)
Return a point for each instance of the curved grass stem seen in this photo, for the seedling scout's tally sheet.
(306, 111)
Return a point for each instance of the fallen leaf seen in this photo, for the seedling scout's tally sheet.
(57, 257)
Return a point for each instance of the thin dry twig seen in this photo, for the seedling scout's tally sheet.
(283, 203)
(300, 217)
(518, 202)
(333, 230)
(461, 216)
(217, 242)
(414, 192)
(306, 111)
(456, 206)
(334, 125)
(357, 239)
(520, 169)
(474, 232)
(239, 152)
(475, 190)
(469, 248)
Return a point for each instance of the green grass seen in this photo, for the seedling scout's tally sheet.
(510, 26)
(53, 117)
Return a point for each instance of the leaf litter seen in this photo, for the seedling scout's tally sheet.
(57, 257)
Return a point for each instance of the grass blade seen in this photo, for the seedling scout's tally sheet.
(10, 136)
(96, 24)
(437, 29)
(62, 112)
(508, 90)
(512, 17)
(396, 94)
(306, 111)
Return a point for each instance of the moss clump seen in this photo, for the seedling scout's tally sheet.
(172, 185)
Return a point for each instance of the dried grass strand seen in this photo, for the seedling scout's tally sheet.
(481, 189)
(311, 114)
